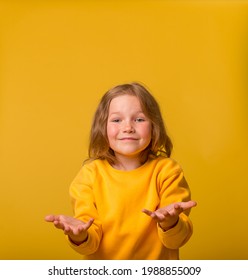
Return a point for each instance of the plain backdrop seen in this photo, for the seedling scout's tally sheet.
(57, 58)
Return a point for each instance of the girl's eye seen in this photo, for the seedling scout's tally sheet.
(139, 120)
(116, 120)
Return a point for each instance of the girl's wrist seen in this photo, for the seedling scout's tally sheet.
(167, 227)
(78, 242)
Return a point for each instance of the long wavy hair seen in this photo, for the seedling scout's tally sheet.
(160, 144)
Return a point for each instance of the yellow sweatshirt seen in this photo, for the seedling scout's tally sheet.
(115, 199)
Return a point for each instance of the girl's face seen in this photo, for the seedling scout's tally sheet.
(128, 129)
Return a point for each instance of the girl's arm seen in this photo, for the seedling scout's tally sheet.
(85, 211)
(172, 214)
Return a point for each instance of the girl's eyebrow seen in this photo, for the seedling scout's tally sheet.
(116, 113)
(112, 113)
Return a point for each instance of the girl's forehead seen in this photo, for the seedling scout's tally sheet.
(125, 101)
(125, 98)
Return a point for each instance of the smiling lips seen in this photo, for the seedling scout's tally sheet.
(128, 138)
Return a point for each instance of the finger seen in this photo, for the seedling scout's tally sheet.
(148, 212)
(83, 227)
(177, 209)
(89, 223)
(59, 225)
(86, 226)
(188, 204)
(67, 230)
(79, 229)
(49, 218)
(53, 218)
(193, 203)
(162, 215)
(157, 216)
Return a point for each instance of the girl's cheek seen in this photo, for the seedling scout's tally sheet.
(111, 130)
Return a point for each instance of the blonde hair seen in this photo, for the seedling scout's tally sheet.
(160, 142)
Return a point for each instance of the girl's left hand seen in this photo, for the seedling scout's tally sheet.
(167, 217)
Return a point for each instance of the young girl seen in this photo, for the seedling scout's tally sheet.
(130, 199)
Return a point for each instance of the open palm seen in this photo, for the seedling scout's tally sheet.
(167, 216)
(74, 228)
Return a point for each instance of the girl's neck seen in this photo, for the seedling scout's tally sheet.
(126, 166)
(129, 163)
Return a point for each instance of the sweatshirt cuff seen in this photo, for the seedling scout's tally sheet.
(86, 248)
(178, 235)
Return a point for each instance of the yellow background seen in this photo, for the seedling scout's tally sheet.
(57, 58)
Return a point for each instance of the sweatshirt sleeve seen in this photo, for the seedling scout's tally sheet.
(174, 188)
(82, 197)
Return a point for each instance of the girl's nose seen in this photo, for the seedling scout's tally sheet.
(128, 127)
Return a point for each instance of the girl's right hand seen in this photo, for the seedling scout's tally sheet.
(74, 228)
